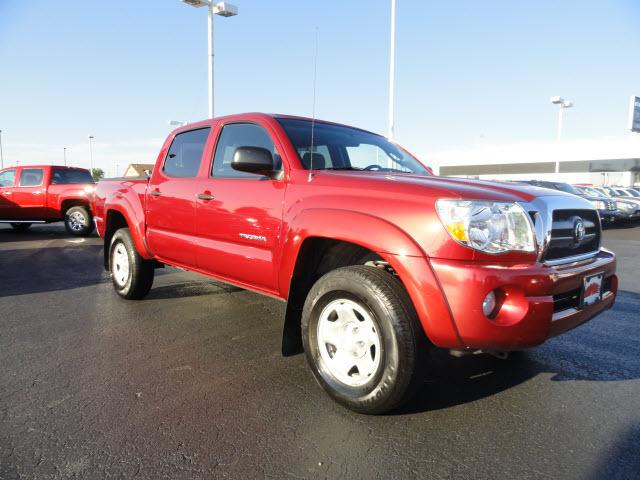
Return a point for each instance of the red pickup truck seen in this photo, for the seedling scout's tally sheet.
(378, 260)
(45, 194)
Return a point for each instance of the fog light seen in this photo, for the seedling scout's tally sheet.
(489, 304)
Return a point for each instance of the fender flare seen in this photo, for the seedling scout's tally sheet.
(343, 225)
(136, 226)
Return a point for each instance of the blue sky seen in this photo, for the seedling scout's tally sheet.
(468, 72)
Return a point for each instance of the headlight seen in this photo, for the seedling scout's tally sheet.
(599, 204)
(492, 227)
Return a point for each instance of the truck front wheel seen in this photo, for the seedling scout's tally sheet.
(362, 339)
(132, 275)
(78, 221)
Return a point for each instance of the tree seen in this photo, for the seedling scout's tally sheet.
(97, 174)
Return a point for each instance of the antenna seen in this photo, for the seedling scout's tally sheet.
(313, 109)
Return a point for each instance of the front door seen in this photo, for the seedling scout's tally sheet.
(171, 199)
(31, 194)
(239, 215)
(8, 209)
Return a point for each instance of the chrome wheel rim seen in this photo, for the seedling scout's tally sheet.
(120, 265)
(349, 342)
(77, 221)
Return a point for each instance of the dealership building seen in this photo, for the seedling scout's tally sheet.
(597, 162)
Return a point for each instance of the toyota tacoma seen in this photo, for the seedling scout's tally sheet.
(379, 261)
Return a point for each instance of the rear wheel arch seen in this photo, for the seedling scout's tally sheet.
(73, 202)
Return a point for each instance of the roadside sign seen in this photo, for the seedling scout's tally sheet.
(634, 114)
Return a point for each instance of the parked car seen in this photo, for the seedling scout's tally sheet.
(45, 194)
(378, 260)
(629, 207)
(607, 208)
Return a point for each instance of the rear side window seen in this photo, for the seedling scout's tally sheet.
(185, 153)
(31, 177)
(63, 176)
(7, 178)
(241, 135)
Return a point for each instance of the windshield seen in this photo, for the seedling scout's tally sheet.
(565, 187)
(590, 191)
(633, 193)
(337, 147)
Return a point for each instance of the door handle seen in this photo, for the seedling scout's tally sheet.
(7, 193)
(205, 196)
(155, 193)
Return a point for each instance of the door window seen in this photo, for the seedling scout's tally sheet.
(31, 177)
(7, 178)
(241, 135)
(64, 176)
(185, 153)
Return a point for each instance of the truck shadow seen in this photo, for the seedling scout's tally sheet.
(605, 349)
(37, 232)
(33, 270)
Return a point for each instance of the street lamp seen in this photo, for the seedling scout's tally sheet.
(1, 154)
(64, 153)
(224, 9)
(392, 70)
(91, 154)
(563, 104)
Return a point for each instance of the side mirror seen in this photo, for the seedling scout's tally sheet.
(253, 160)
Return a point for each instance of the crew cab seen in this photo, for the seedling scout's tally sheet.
(45, 194)
(378, 260)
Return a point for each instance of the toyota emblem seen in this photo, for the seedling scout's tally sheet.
(578, 231)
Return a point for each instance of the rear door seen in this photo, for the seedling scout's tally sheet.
(171, 199)
(239, 215)
(8, 209)
(30, 194)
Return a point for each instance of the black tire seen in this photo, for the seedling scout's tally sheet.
(78, 221)
(137, 281)
(21, 227)
(404, 346)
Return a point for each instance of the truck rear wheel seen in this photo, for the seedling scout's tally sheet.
(362, 339)
(78, 221)
(131, 274)
(21, 227)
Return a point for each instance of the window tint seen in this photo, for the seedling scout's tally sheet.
(185, 154)
(7, 178)
(31, 177)
(64, 176)
(241, 135)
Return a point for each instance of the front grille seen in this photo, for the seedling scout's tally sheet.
(563, 242)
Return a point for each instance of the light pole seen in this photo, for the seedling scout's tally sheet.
(1, 154)
(563, 104)
(91, 154)
(224, 9)
(64, 153)
(392, 70)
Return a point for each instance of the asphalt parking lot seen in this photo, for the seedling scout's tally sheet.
(189, 383)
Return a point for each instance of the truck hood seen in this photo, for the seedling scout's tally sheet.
(440, 186)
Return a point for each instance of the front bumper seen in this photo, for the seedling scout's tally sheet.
(537, 301)
(608, 217)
